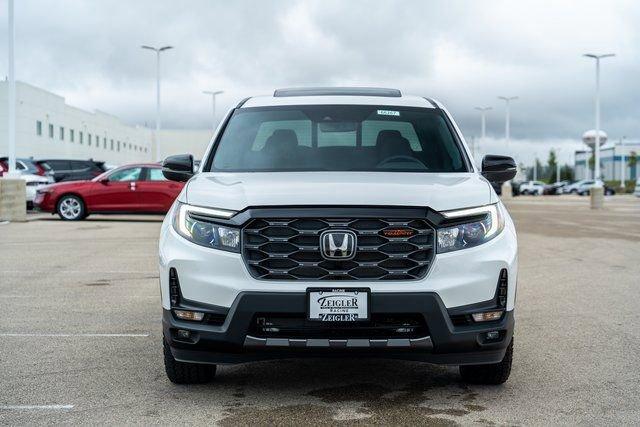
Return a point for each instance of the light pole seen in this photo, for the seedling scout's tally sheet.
(11, 98)
(473, 147)
(596, 173)
(213, 103)
(483, 118)
(622, 164)
(483, 123)
(507, 122)
(154, 145)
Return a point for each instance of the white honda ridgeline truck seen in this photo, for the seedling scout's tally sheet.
(338, 222)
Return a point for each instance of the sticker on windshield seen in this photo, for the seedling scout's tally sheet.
(388, 113)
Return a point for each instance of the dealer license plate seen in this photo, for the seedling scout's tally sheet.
(338, 305)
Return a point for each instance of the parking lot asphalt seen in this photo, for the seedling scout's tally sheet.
(80, 336)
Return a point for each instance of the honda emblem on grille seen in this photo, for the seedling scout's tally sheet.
(338, 245)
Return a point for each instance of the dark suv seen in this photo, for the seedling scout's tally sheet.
(72, 170)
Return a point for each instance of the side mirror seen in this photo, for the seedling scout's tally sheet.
(178, 168)
(498, 169)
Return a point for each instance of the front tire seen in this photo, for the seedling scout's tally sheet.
(186, 373)
(493, 374)
(71, 208)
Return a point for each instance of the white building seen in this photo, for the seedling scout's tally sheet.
(610, 162)
(46, 127)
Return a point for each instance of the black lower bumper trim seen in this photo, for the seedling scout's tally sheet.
(449, 344)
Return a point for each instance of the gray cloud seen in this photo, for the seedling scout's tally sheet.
(463, 53)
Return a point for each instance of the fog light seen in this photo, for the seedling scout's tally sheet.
(487, 316)
(493, 335)
(189, 315)
(182, 334)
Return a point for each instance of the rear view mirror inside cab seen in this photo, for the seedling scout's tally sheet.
(327, 127)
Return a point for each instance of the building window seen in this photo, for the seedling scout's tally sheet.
(145, 149)
(104, 143)
(51, 131)
(81, 138)
(39, 128)
(89, 139)
(118, 145)
(112, 145)
(71, 135)
(61, 133)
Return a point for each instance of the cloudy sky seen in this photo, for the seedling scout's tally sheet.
(465, 53)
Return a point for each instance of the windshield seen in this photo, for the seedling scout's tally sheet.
(337, 138)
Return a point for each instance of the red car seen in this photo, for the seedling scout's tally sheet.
(135, 188)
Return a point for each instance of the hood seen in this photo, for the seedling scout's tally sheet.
(237, 191)
(34, 178)
(68, 184)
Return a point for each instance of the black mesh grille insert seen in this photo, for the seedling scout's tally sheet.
(289, 249)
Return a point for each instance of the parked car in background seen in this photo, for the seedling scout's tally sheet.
(583, 189)
(23, 166)
(636, 192)
(572, 188)
(33, 183)
(515, 188)
(131, 189)
(532, 187)
(71, 170)
(555, 188)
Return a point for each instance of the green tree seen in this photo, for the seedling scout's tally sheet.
(566, 173)
(552, 164)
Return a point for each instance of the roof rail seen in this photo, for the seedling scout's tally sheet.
(338, 91)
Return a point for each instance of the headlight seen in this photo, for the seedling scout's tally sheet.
(489, 223)
(197, 225)
(44, 190)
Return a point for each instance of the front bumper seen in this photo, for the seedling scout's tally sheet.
(232, 342)
(43, 201)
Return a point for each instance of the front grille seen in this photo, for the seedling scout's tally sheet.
(275, 325)
(289, 249)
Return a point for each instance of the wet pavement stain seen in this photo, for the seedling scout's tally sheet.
(477, 408)
(433, 396)
(367, 404)
(94, 227)
(319, 415)
(101, 282)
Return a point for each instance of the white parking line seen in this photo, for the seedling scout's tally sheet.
(35, 407)
(71, 335)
